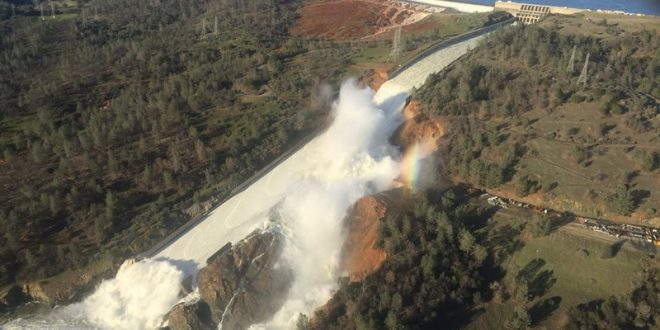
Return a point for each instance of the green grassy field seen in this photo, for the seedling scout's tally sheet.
(610, 159)
(577, 274)
(584, 151)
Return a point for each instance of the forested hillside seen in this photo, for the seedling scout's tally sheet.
(437, 270)
(453, 262)
(524, 122)
(114, 121)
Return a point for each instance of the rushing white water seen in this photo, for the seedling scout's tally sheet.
(136, 298)
(307, 196)
(353, 159)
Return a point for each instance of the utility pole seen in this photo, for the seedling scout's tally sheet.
(52, 10)
(41, 11)
(584, 75)
(396, 44)
(571, 62)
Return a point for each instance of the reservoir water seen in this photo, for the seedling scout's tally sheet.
(647, 7)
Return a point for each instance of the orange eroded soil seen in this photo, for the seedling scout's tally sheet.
(361, 257)
(418, 128)
(375, 77)
(351, 19)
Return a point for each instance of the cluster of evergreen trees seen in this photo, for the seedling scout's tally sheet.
(525, 68)
(113, 124)
(436, 272)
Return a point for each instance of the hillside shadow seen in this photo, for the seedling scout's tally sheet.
(504, 239)
(532, 267)
(616, 247)
(543, 309)
(561, 221)
(539, 282)
(640, 195)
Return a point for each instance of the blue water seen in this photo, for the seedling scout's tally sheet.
(648, 7)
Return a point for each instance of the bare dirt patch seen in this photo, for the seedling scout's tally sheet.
(351, 19)
(419, 128)
(376, 77)
(361, 256)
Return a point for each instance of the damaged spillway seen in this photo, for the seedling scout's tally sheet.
(298, 207)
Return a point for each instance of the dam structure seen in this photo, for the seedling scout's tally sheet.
(251, 208)
(530, 13)
(304, 198)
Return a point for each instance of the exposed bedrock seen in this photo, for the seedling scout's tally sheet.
(192, 316)
(242, 284)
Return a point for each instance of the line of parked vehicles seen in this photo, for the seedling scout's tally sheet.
(649, 234)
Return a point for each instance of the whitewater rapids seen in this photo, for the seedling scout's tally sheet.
(306, 196)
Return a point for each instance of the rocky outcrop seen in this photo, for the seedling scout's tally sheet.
(62, 289)
(70, 287)
(241, 285)
(191, 316)
(12, 296)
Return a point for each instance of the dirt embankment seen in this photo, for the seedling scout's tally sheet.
(418, 128)
(64, 288)
(361, 256)
(375, 77)
(352, 19)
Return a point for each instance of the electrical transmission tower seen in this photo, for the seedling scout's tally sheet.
(584, 75)
(571, 62)
(397, 45)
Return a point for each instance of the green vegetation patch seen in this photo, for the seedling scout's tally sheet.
(523, 121)
(551, 275)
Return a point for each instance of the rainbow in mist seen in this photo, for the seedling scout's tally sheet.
(411, 165)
